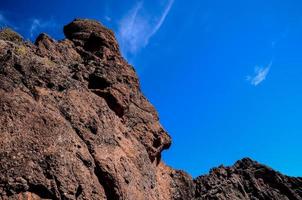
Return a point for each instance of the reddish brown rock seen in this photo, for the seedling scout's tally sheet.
(248, 180)
(74, 124)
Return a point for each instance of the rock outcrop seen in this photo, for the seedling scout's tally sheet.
(248, 180)
(74, 124)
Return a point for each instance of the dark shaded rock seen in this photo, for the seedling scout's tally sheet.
(248, 180)
(91, 36)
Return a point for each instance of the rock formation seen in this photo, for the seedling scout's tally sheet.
(249, 180)
(74, 124)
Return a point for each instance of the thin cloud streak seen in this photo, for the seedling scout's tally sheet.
(260, 75)
(136, 28)
(131, 31)
(163, 17)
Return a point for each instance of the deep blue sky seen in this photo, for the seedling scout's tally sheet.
(225, 76)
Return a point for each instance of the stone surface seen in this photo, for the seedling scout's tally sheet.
(10, 35)
(74, 124)
(248, 180)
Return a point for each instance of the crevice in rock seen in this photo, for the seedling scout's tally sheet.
(42, 191)
(50, 85)
(97, 82)
(108, 182)
(156, 142)
(158, 159)
(79, 191)
(87, 163)
(58, 186)
(111, 101)
(19, 68)
(95, 43)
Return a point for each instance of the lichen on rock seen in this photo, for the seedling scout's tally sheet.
(10, 35)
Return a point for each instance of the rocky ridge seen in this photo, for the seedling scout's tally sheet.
(74, 124)
(249, 180)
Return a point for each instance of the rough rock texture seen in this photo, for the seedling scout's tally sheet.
(75, 125)
(248, 180)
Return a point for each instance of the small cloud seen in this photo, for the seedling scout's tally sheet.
(34, 25)
(260, 74)
(107, 18)
(37, 25)
(139, 25)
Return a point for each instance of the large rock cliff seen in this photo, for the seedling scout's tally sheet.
(74, 124)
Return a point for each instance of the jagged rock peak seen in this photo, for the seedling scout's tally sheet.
(90, 34)
(248, 180)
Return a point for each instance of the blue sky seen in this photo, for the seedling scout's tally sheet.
(225, 76)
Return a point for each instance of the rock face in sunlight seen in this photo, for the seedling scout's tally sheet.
(75, 125)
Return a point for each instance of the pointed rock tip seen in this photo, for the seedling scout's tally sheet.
(246, 162)
(42, 37)
(82, 28)
(90, 34)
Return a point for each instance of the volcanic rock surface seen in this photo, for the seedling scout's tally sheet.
(249, 180)
(74, 124)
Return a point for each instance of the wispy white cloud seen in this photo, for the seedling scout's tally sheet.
(107, 18)
(38, 24)
(162, 18)
(34, 25)
(139, 25)
(260, 74)
(30, 28)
